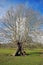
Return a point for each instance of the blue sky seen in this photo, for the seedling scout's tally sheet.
(35, 4)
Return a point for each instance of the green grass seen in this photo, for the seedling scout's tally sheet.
(34, 57)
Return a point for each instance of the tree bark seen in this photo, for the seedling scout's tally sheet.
(20, 50)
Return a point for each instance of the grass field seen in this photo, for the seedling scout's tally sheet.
(35, 57)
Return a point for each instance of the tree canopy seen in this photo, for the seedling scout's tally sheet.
(18, 22)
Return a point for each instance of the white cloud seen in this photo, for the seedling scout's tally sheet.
(37, 37)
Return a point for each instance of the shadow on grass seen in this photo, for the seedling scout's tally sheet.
(32, 53)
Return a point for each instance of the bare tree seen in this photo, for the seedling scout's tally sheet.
(19, 21)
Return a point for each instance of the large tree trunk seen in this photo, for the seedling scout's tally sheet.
(20, 50)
